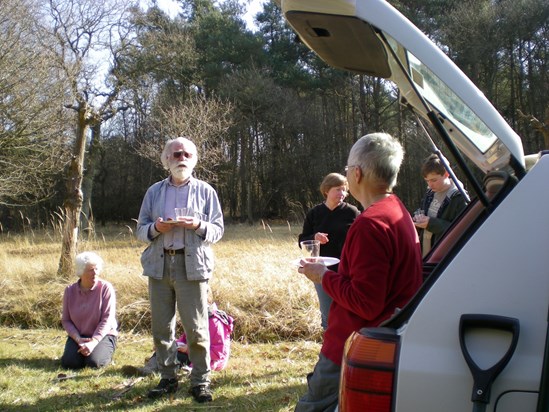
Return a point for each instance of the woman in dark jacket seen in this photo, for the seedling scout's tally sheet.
(328, 222)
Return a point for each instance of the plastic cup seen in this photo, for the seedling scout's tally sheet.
(310, 249)
(181, 212)
(418, 215)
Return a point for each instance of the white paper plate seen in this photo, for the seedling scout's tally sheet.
(326, 260)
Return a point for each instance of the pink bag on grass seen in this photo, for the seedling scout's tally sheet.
(221, 327)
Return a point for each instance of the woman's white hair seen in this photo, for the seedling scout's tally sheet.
(379, 155)
(85, 258)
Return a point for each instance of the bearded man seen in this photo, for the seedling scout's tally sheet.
(179, 262)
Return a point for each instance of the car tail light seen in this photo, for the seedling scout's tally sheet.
(368, 371)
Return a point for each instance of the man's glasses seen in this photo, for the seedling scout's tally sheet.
(177, 155)
(347, 168)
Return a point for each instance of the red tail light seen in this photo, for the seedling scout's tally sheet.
(368, 371)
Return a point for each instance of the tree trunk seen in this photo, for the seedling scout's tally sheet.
(73, 201)
(89, 176)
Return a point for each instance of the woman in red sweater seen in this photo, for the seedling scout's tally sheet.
(380, 268)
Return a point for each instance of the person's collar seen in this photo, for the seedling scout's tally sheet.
(375, 197)
(450, 192)
(332, 207)
(84, 289)
(184, 183)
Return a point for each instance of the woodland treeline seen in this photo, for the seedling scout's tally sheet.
(90, 90)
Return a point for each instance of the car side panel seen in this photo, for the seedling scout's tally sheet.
(516, 401)
(502, 270)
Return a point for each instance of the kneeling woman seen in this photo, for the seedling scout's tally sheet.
(89, 316)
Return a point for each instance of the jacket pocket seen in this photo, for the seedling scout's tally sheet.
(199, 262)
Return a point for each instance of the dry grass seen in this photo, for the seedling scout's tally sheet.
(254, 281)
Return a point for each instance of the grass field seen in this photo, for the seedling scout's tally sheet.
(259, 377)
(276, 337)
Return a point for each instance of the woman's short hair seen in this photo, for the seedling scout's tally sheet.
(432, 165)
(85, 258)
(332, 180)
(379, 156)
(165, 156)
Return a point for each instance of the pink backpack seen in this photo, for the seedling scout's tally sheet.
(221, 327)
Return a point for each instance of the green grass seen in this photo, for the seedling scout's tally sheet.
(276, 338)
(259, 377)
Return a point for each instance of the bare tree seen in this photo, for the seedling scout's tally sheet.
(33, 125)
(87, 34)
(201, 120)
(538, 125)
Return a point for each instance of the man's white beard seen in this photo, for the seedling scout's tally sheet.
(181, 173)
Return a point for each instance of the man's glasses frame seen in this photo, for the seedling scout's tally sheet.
(187, 155)
(349, 167)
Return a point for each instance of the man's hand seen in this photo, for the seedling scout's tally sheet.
(422, 222)
(188, 222)
(162, 226)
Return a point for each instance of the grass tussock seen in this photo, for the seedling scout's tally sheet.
(254, 281)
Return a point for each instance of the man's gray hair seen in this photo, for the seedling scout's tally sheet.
(85, 258)
(379, 155)
(165, 156)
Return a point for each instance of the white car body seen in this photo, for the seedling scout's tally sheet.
(492, 261)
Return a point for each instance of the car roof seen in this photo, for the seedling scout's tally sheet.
(371, 37)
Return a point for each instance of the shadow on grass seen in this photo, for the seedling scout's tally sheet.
(257, 395)
(41, 364)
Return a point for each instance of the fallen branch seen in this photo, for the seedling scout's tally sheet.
(125, 387)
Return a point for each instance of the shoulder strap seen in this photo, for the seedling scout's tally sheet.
(223, 317)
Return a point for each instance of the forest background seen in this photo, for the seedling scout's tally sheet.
(90, 91)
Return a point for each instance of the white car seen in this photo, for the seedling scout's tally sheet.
(475, 336)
